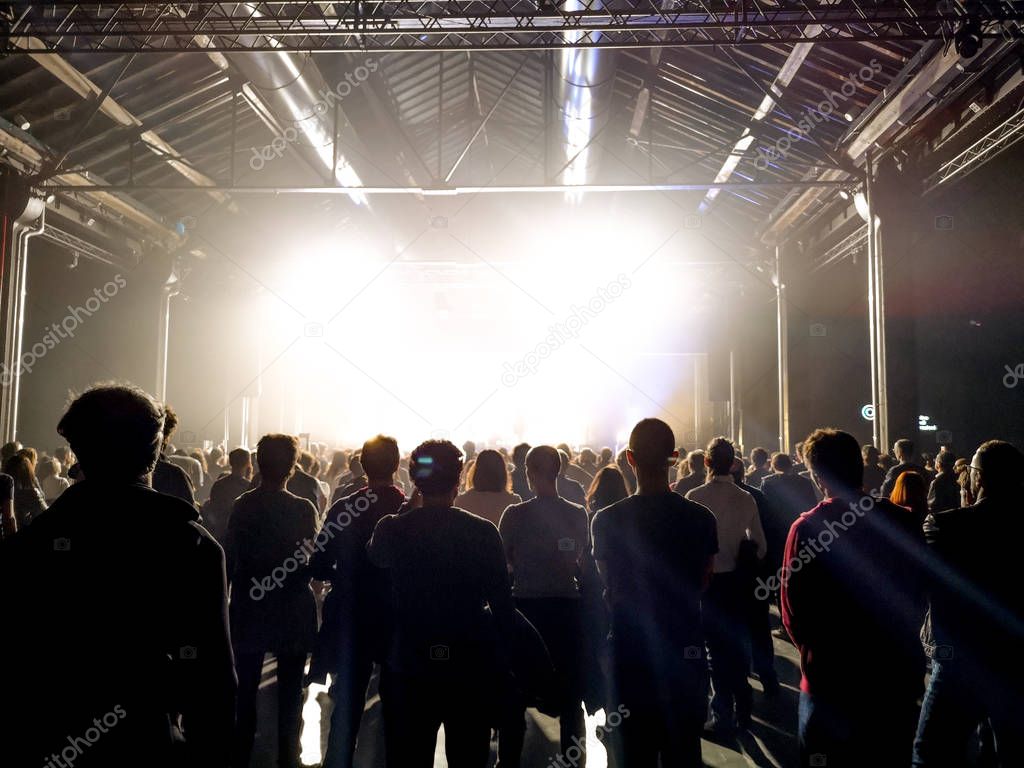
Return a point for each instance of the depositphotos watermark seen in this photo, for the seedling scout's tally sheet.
(814, 546)
(812, 117)
(302, 555)
(1013, 376)
(78, 744)
(573, 756)
(560, 333)
(65, 329)
(328, 98)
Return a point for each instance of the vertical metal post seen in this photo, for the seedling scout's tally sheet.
(440, 115)
(882, 411)
(782, 331)
(163, 340)
(732, 395)
(234, 128)
(872, 302)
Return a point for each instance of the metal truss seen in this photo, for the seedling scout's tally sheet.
(854, 243)
(401, 25)
(999, 139)
(77, 245)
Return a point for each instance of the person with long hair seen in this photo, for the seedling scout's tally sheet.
(28, 499)
(911, 491)
(607, 488)
(488, 483)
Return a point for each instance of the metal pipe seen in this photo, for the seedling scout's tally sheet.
(882, 411)
(782, 344)
(163, 340)
(20, 285)
(872, 300)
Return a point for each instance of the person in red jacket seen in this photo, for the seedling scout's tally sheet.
(852, 601)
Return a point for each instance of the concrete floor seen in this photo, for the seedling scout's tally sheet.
(770, 742)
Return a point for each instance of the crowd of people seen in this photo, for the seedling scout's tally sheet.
(146, 585)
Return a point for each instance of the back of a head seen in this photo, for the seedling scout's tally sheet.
(834, 456)
(21, 471)
(115, 430)
(904, 449)
(564, 448)
(436, 467)
(276, 456)
(945, 461)
(737, 470)
(759, 457)
(519, 454)
(607, 487)
(306, 460)
(380, 457)
(170, 422)
(239, 459)
(869, 454)
(1001, 466)
(696, 461)
(910, 490)
(720, 455)
(652, 444)
(563, 461)
(544, 462)
(587, 457)
(47, 467)
(355, 467)
(781, 462)
(9, 449)
(489, 473)
(606, 455)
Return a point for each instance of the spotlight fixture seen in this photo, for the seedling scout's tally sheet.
(852, 113)
(967, 39)
(22, 122)
(90, 221)
(50, 198)
(844, 194)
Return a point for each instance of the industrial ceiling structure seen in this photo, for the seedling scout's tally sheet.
(134, 118)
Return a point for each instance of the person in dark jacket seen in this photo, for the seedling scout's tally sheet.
(446, 566)
(167, 477)
(854, 568)
(944, 492)
(224, 492)
(976, 620)
(272, 606)
(357, 611)
(28, 499)
(122, 607)
(904, 450)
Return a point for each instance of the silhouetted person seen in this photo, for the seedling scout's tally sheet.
(874, 475)
(976, 622)
(520, 485)
(655, 551)
(121, 605)
(568, 488)
(762, 650)
(167, 477)
(852, 603)
(572, 470)
(445, 566)
(726, 601)
(904, 450)
(487, 483)
(355, 480)
(28, 499)
(357, 610)
(217, 510)
(911, 492)
(697, 474)
(944, 491)
(759, 468)
(8, 521)
(627, 471)
(545, 541)
(789, 495)
(272, 606)
(608, 487)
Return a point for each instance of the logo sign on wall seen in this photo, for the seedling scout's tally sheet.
(867, 412)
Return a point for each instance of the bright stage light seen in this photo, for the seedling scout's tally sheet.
(542, 327)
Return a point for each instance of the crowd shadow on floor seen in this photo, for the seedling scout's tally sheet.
(769, 743)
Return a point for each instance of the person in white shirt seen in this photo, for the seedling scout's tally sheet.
(740, 540)
(50, 481)
(488, 483)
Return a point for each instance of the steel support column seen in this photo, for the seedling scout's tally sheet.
(782, 349)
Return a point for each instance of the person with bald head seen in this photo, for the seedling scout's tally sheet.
(656, 551)
(546, 541)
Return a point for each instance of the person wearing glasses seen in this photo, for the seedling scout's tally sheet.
(975, 627)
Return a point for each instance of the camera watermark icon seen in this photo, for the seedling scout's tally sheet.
(62, 115)
(62, 545)
(819, 330)
(187, 652)
(440, 653)
(693, 221)
(818, 760)
(944, 652)
(313, 330)
(944, 221)
(439, 222)
(1013, 376)
(693, 652)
